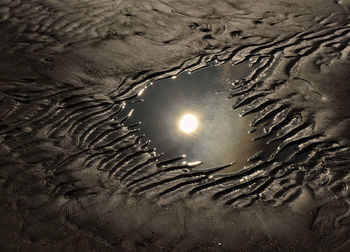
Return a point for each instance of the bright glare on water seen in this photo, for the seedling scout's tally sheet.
(188, 123)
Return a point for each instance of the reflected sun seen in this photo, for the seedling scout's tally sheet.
(188, 123)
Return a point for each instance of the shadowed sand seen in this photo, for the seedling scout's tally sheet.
(76, 175)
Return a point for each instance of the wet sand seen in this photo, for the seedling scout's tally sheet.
(77, 175)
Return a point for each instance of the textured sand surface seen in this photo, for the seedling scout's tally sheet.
(75, 176)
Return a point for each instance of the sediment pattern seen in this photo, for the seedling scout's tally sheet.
(69, 69)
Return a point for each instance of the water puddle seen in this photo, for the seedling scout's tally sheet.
(191, 115)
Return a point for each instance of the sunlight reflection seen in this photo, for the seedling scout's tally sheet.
(188, 123)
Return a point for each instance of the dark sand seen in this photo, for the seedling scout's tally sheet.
(76, 175)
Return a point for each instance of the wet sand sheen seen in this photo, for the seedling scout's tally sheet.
(75, 175)
(223, 136)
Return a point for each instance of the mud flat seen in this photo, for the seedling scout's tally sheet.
(77, 174)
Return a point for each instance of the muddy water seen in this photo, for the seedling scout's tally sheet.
(223, 136)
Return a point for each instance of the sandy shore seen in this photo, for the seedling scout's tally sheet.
(75, 176)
